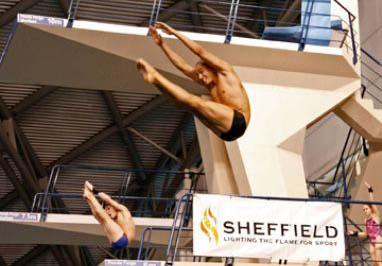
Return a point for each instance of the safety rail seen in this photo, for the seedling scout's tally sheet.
(336, 181)
(179, 246)
(305, 24)
(166, 212)
(144, 191)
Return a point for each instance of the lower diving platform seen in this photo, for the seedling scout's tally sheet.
(71, 229)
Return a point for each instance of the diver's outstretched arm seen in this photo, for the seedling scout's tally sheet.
(176, 59)
(212, 60)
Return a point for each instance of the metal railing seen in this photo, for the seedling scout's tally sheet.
(179, 246)
(63, 193)
(230, 18)
(336, 181)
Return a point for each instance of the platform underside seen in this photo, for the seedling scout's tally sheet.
(102, 56)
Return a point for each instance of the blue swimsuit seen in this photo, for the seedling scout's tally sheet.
(120, 243)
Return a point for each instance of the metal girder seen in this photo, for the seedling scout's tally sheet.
(291, 14)
(2, 261)
(125, 135)
(242, 28)
(8, 199)
(172, 146)
(62, 258)
(87, 256)
(284, 8)
(195, 16)
(65, 4)
(31, 100)
(102, 135)
(30, 154)
(31, 183)
(156, 145)
(265, 17)
(26, 174)
(31, 159)
(32, 254)
(192, 153)
(15, 182)
(169, 12)
(20, 7)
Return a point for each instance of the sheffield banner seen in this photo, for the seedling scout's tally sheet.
(227, 226)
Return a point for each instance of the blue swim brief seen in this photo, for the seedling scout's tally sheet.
(121, 243)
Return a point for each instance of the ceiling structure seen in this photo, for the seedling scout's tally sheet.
(43, 126)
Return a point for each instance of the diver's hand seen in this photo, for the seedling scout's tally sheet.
(165, 28)
(155, 35)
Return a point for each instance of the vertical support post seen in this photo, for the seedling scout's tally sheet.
(305, 25)
(354, 46)
(232, 20)
(348, 248)
(152, 15)
(342, 154)
(177, 226)
(344, 174)
(51, 183)
(72, 12)
(155, 13)
(361, 251)
(229, 261)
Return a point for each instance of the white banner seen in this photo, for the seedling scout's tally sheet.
(226, 226)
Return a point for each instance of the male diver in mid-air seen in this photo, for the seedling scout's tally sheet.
(114, 218)
(228, 113)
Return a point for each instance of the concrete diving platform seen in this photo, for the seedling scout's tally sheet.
(70, 229)
(187, 263)
(92, 55)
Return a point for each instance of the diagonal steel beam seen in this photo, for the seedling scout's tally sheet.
(15, 182)
(174, 142)
(153, 143)
(20, 7)
(242, 28)
(102, 135)
(26, 174)
(169, 12)
(291, 14)
(31, 183)
(8, 199)
(30, 155)
(39, 250)
(284, 8)
(65, 4)
(125, 135)
(192, 154)
(32, 254)
(172, 146)
(195, 14)
(2, 261)
(253, 24)
(31, 100)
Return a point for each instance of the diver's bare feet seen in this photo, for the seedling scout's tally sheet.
(147, 71)
(87, 193)
(88, 185)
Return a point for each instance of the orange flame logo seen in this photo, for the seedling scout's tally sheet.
(208, 225)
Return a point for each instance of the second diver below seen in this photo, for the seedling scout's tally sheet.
(227, 114)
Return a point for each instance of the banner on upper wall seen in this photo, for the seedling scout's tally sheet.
(227, 226)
